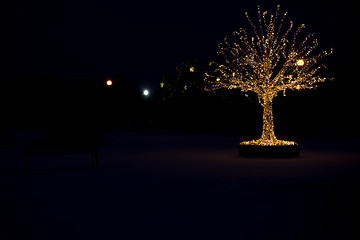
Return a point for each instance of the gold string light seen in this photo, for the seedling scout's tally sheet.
(267, 62)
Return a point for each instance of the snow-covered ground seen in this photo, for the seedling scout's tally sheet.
(179, 186)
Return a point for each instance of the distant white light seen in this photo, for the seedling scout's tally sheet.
(146, 92)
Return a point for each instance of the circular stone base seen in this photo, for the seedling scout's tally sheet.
(246, 150)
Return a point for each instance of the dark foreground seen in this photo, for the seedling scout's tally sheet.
(169, 186)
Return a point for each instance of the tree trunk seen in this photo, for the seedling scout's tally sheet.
(268, 121)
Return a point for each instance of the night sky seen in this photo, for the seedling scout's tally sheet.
(144, 39)
(45, 43)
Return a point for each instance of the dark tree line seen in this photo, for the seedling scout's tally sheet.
(32, 102)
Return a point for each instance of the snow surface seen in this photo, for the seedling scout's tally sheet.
(179, 186)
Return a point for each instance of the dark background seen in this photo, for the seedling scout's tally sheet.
(57, 55)
(164, 178)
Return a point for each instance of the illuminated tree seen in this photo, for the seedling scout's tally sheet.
(188, 81)
(267, 60)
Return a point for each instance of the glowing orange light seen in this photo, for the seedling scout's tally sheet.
(109, 82)
(300, 62)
